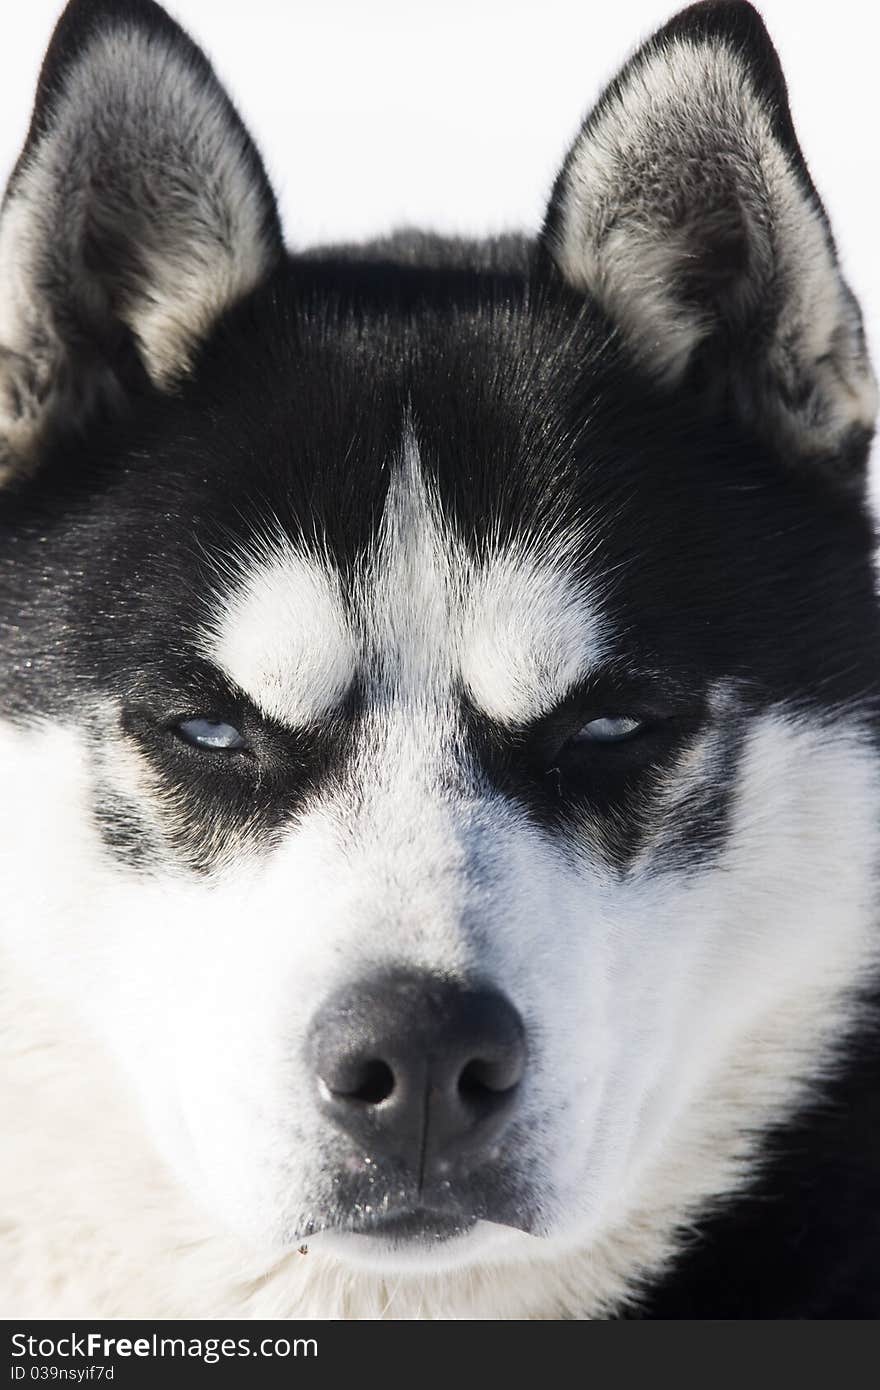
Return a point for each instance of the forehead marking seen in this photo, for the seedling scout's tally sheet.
(408, 589)
(512, 626)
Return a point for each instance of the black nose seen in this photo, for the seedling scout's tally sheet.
(418, 1068)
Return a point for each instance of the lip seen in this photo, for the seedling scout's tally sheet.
(387, 1209)
(415, 1225)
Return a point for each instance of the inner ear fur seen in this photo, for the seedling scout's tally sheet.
(686, 209)
(139, 210)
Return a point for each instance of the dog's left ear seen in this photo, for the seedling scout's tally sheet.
(138, 211)
(686, 209)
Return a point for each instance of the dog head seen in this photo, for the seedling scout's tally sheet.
(438, 682)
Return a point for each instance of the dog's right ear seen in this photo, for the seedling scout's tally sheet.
(138, 211)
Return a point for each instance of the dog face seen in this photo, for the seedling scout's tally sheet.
(439, 689)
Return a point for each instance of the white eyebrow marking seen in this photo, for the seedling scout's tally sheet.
(512, 624)
(284, 636)
(529, 636)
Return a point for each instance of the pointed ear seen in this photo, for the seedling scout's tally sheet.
(686, 209)
(138, 211)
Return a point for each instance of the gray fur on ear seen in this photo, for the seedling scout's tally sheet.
(686, 209)
(138, 212)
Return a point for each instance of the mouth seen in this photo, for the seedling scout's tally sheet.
(419, 1225)
(387, 1212)
(415, 1239)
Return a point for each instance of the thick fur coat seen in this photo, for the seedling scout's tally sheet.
(440, 810)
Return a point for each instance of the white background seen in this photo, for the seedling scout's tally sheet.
(455, 115)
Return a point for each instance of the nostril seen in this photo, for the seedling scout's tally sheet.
(373, 1083)
(482, 1078)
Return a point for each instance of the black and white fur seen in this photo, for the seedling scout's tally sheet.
(414, 519)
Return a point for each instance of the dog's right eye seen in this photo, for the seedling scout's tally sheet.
(211, 735)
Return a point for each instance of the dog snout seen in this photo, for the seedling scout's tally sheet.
(419, 1069)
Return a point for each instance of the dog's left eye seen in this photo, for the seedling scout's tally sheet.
(610, 729)
(206, 733)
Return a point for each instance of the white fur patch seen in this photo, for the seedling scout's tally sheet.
(284, 638)
(529, 634)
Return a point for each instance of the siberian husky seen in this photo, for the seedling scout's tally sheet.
(439, 733)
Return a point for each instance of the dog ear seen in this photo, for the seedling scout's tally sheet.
(138, 211)
(686, 209)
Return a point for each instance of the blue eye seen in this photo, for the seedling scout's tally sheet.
(205, 733)
(611, 729)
